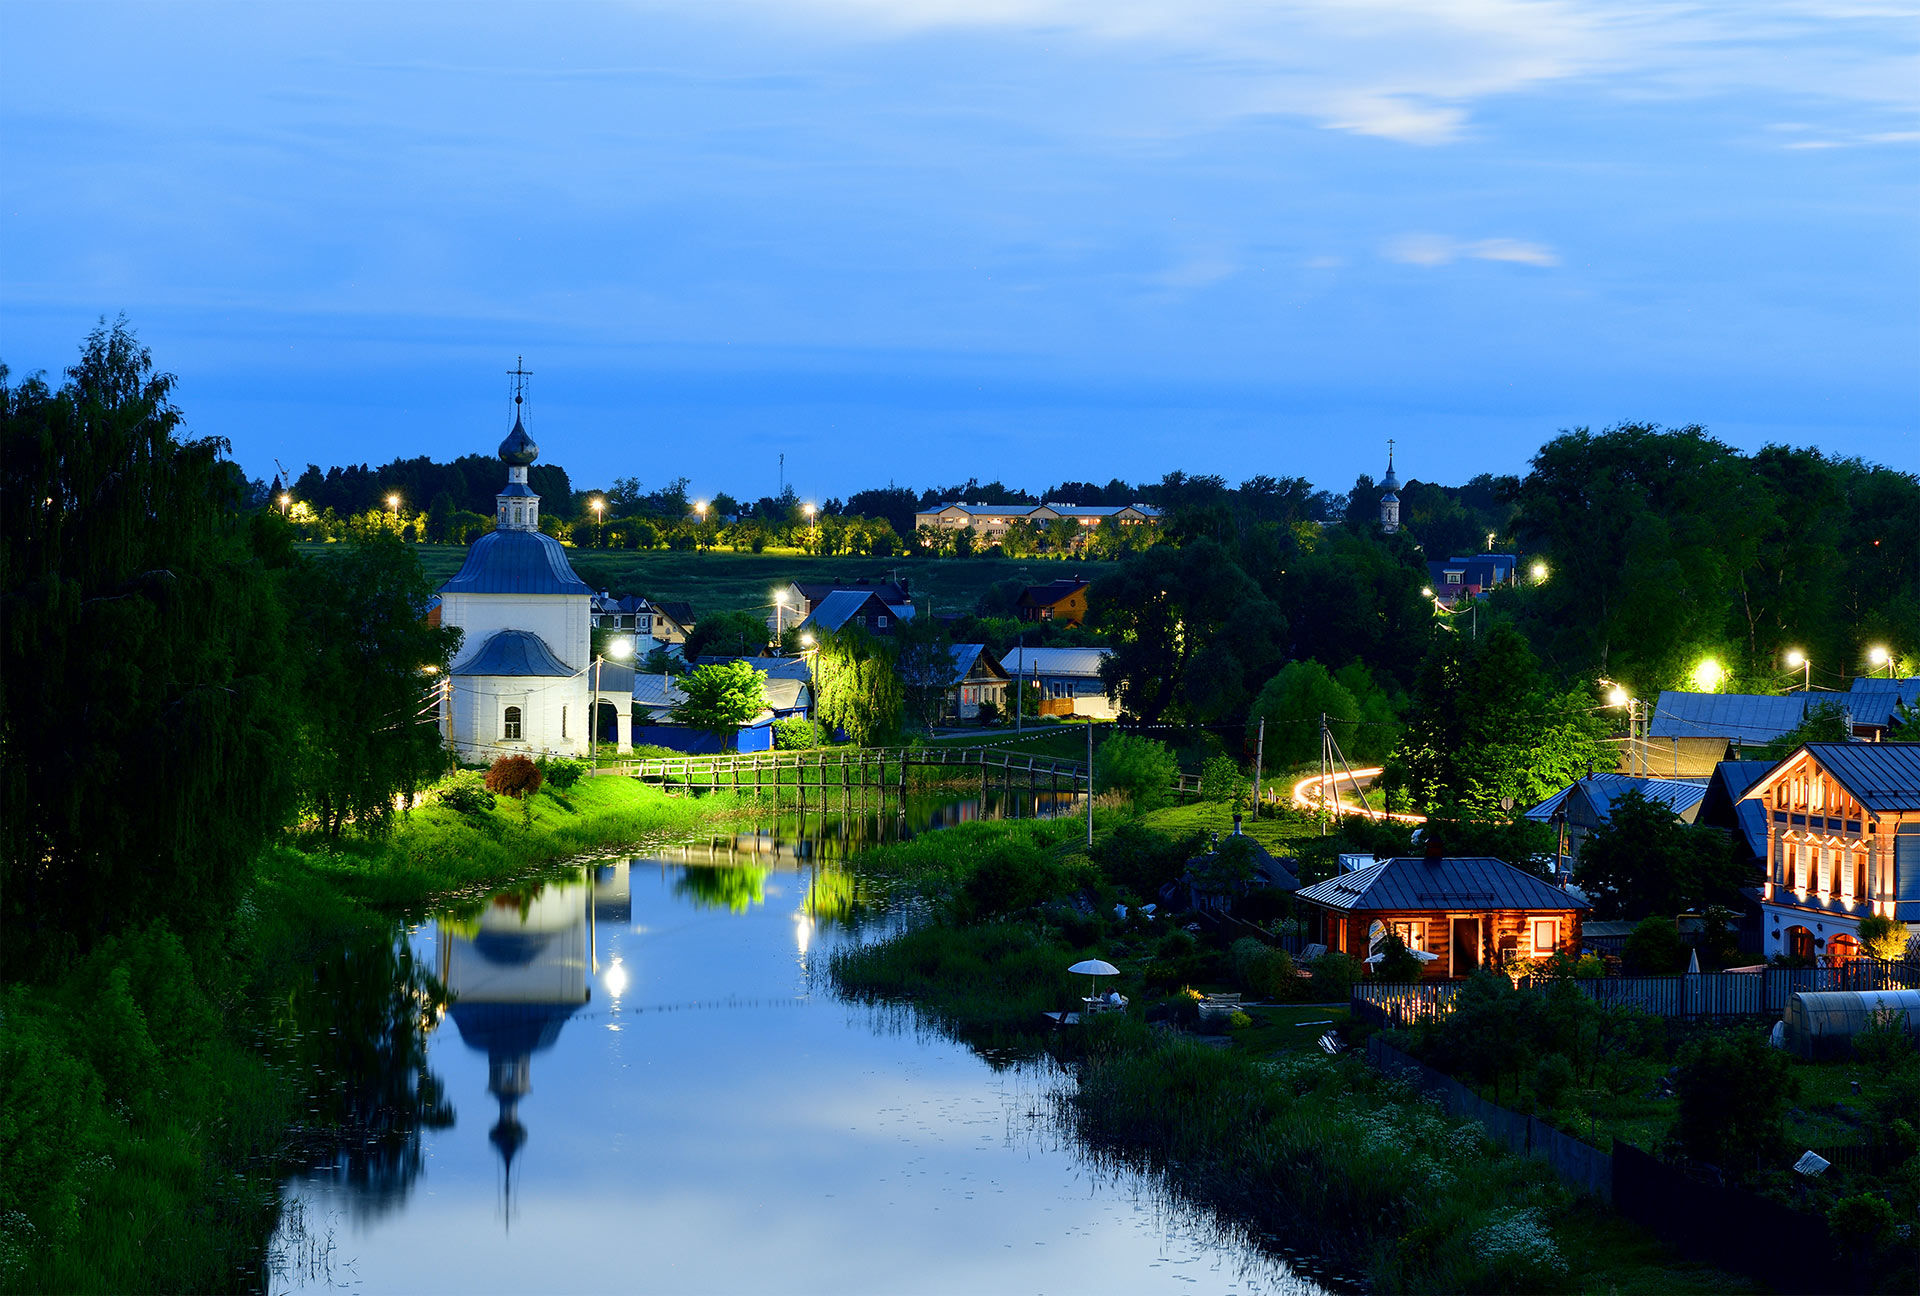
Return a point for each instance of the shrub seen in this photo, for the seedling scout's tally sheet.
(1552, 1078)
(797, 733)
(1261, 969)
(989, 713)
(563, 772)
(1397, 962)
(1221, 780)
(1333, 976)
(46, 1140)
(1882, 937)
(1884, 1046)
(1140, 858)
(1238, 1020)
(1864, 1219)
(1733, 1092)
(1012, 876)
(466, 793)
(514, 776)
(1139, 768)
(1654, 948)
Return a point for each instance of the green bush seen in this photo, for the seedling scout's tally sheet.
(1552, 1078)
(1333, 976)
(1733, 1090)
(1654, 948)
(1015, 876)
(1262, 970)
(1397, 962)
(1221, 780)
(1140, 769)
(563, 772)
(1864, 1219)
(1142, 859)
(47, 1144)
(466, 793)
(1882, 937)
(1884, 1046)
(797, 733)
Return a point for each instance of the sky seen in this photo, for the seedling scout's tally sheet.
(928, 240)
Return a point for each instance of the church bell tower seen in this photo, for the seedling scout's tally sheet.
(1389, 496)
(518, 508)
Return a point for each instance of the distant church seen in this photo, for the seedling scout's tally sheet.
(527, 680)
(1390, 497)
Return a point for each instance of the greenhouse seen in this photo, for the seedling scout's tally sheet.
(1823, 1023)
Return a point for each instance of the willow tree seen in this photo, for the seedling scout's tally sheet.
(141, 663)
(856, 687)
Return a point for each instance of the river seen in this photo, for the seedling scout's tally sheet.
(644, 1081)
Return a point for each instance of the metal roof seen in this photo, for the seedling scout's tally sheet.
(518, 450)
(513, 652)
(892, 594)
(1883, 776)
(1874, 701)
(1601, 790)
(1748, 716)
(1076, 663)
(841, 606)
(772, 667)
(1455, 882)
(516, 562)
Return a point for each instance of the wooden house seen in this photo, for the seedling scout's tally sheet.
(1469, 911)
(1062, 600)
(1843, 841)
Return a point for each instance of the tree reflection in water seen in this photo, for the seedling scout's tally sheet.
(734, 888)
(359, 1032)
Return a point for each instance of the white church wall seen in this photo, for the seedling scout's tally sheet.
(562, 620)
(553, 715)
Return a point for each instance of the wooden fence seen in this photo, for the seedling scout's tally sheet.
(849, 769)
(1762, 993)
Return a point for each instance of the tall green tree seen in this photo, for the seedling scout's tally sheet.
(1485, 726)
(368, 668)
(856, 687)
(720, 697)
(923, 654)
(142, 663)
(1645, 861)
(1192, 633)
(728, 634)
(1292, 703)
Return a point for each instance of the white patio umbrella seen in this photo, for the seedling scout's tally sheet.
(1091, 968)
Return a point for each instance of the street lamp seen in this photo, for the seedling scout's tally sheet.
(810, 512)
(1539, 572)
(1426, 591)
(1797, 660)
(286, 503)
(1707, 676)
(1879, 657)
(599, 523)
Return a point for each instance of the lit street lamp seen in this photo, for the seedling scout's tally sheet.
(1539, 572)
(1797, 660)
(810, 512)
(393, 508)
(286, 503)
(1879, 656)
(779, 608)
(599, 523)
(1707, 676)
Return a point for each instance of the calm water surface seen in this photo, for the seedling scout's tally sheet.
(645, 1082)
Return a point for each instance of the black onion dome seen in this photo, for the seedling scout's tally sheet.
(518, 450)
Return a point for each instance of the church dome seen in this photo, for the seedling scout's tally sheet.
(516, 562)
(518, 450)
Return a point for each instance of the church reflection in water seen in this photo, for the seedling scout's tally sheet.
(518, 972)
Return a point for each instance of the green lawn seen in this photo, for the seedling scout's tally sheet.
(722, 581)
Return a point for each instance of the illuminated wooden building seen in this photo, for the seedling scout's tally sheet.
(1843, 841)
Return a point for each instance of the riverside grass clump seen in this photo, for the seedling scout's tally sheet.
(1353, 1165)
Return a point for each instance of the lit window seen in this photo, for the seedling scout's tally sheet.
(1545, 934)
(1455, 578)
(1823, 870)
(510, 725)
(880, 622)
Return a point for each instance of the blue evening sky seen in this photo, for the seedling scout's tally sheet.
(932, 239)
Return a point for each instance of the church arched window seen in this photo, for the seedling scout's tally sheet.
(510, 725)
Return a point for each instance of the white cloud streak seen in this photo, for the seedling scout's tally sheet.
(1431, 251)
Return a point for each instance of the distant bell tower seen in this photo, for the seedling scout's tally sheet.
(1389, 497)
(518, 507)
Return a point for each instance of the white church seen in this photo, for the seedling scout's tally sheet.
(527, 680)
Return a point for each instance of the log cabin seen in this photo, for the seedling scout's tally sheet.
(1470, 911)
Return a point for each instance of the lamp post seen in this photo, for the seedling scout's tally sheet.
(700, 525)
(393, 507)
(1637, 724)
(1878, 657)
(810, 534)
(286, 503)
(599, 524)
(779, 608)
(1797, 660)
(1539, 572)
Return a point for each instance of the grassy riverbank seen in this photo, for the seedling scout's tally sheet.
(1268, 1132)
(154, 1094)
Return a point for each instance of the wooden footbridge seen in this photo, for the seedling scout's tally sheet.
(845, 770)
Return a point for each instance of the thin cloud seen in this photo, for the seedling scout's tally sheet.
(1433, 250)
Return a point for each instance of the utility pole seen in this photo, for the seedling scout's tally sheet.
(1089, 782)
(1020, 690)
(1325, 761)
(1259, 758)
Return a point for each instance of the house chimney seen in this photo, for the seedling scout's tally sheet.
(1433, 849)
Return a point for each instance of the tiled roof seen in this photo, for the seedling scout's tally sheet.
(1458, 882)
(1078, 663)
(516, 562)
(1747, 716)
(1883, 776)
(513, 652)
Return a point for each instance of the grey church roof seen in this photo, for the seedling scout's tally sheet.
(1462, 882)
(513, 652)
(516, 562)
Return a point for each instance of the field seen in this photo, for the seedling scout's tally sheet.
(722, 581)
